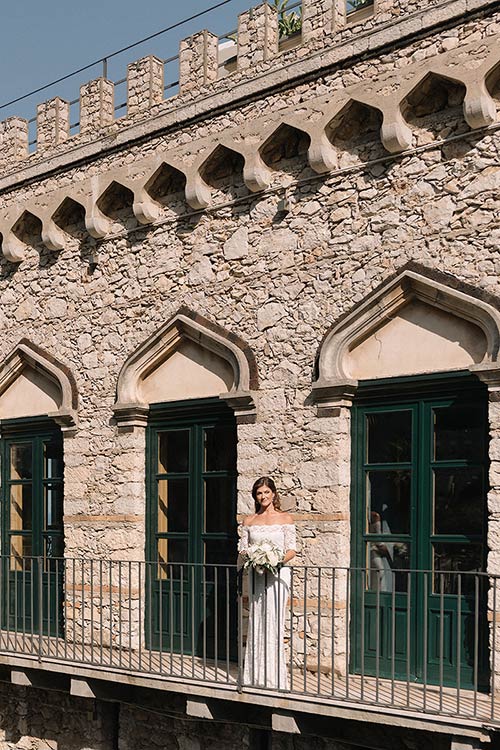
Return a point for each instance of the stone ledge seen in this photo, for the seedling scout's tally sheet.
(178, 116)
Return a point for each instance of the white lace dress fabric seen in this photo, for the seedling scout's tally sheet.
(265, 664)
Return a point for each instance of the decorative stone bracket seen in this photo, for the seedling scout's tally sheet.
(470, 65)
(330, 396)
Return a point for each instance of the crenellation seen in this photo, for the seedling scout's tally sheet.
(257, 36)
(326, 27)
(145, 86)
(97, 105)
(198, 61)
(13, 141)
(52, 123)
(317, 20)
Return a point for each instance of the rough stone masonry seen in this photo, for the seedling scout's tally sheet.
(262, 206)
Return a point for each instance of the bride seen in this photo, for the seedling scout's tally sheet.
(264, 664)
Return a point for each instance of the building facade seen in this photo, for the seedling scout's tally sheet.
(288, 268)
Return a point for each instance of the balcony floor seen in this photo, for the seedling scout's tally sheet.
(354, 690)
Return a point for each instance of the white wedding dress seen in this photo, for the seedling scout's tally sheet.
(265, 664)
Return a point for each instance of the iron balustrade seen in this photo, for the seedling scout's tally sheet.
(410, 640)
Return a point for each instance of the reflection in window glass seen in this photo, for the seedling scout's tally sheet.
(219, 448)
(21, 507)
(450, 560)
(458, 433)
(172, 551)
(53, 506)
(52, 460)
(388, 502)
(458, 501)
(53, 550)
(173, 451)
(389, 437)
(173, 505)
(387, 566)
(21, 549)
(21, 461)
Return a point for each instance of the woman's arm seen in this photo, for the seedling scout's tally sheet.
(290, 539)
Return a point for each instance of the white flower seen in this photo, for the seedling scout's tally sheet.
(264, 555)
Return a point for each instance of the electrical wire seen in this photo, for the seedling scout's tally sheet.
(117, 52)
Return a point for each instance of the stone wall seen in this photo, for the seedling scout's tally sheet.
(94, 282)
(34, 719)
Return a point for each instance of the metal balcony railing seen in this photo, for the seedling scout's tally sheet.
(417, 641)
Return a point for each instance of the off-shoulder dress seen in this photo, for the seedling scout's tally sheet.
(265, 663)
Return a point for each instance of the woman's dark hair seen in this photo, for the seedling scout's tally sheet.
(265, 482)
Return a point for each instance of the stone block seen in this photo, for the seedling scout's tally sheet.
(13, 141)
(97, 105)
(317, 19)
(257, 36)
(52, 123)
(144, 84)
(198, 61)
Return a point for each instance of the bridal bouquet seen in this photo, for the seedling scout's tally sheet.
(264, 555)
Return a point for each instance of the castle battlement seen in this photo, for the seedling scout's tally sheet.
(329, 38)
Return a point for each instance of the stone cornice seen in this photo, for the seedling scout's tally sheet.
(468, 65)
(229, 93)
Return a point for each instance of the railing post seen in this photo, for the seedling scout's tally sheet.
(239, 682)
(40, 608)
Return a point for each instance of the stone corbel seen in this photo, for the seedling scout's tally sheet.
(130, 416)
(145, 209)
(330, 396)
(321, 154)
(67, 420)
(198, 193)
(96, 223)
(395, 134)
(479, 107)
(256, 173)
(52, 236)
(13, 249)
(489, 373)
(243, 405)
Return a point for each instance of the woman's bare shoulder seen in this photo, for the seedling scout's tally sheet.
(248, 520)
(286, 518)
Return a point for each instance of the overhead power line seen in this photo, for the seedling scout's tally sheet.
(117, 52)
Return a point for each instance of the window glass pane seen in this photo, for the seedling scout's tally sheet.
(388, 496)
(172, 551)
(219, 514)
(387, 564)
(389, 437)
(458, 501)
(450, 560)
(458, 433)
(20, 547)
(219, 448)
(52, 460)
(54, 547)
(173, 505)
(21, 461)
(53, 507)
(220, 552)
(21, 515)
(173, 451)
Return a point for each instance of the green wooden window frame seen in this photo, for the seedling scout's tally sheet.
(417, 598)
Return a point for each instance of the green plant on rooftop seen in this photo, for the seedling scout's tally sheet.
(289, 21)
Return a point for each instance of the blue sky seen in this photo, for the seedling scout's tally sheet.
(42, 41)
